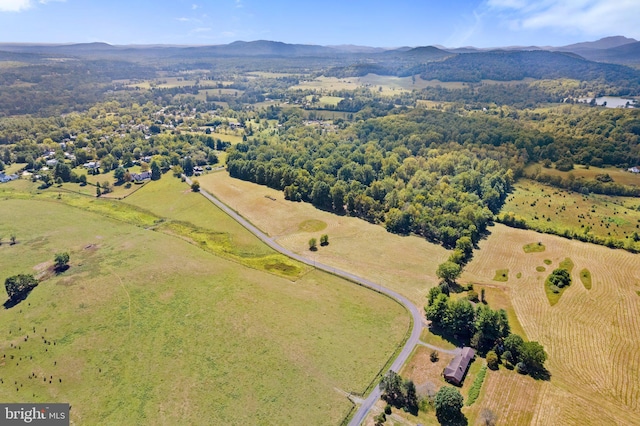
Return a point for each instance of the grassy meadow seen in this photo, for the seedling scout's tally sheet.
(148, 328)
(620, 176)
(405, 264)
(545, 207)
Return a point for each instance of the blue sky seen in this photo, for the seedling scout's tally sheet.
(452, 23)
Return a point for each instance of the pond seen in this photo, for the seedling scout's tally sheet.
(612, 101)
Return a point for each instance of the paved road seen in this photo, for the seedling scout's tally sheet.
(416, 313)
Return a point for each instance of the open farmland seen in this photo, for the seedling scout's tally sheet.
(620, 176)
(547, 208)
(592, 336)
(405, 264)
(147, 328)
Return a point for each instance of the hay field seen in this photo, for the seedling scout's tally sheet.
(145, 328)
(405, 264)
(592, 336)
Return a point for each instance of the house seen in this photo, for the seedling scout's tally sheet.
(7, 178)
(634, 170)
(139, 177)
(52, 163)
(91, 165)
(457, 368)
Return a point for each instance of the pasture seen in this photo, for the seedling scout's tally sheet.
(592, 335)
(545, 207)
(406, 264)
(620, 176)
(145, 328)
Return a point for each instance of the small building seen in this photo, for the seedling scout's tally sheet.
(52, 163)
(7, 178)
(634, 169)
(91, 165)
(139, 177)
(457, 368)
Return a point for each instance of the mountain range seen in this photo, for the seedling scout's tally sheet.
(617, 49)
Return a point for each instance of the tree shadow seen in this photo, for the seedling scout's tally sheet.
(17, 299)
(61, 269)
(542, 374)
(459, 420)
(449, 337)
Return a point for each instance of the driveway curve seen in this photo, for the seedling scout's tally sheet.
(416, 313)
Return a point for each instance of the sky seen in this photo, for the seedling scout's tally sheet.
(450, 23)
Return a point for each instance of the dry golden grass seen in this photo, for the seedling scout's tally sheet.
(592, 336)
(511, 396)
(405, 264)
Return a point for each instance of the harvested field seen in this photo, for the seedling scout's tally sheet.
(592, 336)
(405, 264)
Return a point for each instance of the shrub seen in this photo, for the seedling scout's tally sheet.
(387, 409)
(434, 356)
(313, 244)
(521, 368)
(473, 296)
(492, 360)
(508, 356)
(195, 186)
(324, 240)
(560, 278)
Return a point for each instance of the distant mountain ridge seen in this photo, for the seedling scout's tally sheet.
(616, 49)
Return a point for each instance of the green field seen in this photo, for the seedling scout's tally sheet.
(554, 210)
(620, 176)
(148, 328)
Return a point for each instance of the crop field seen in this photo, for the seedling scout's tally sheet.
(546, 207)
(620, 176)
(592, 335)
(202, 94)
(327, 100)
(390, 84)
(145, 328)
(405, 264)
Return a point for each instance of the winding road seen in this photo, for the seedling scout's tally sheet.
(416, 313)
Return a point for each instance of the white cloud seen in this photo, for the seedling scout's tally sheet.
(194, 6)
(183, 19)
(239, 4)
(14, 5)
(20, 5)
(590, 17)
